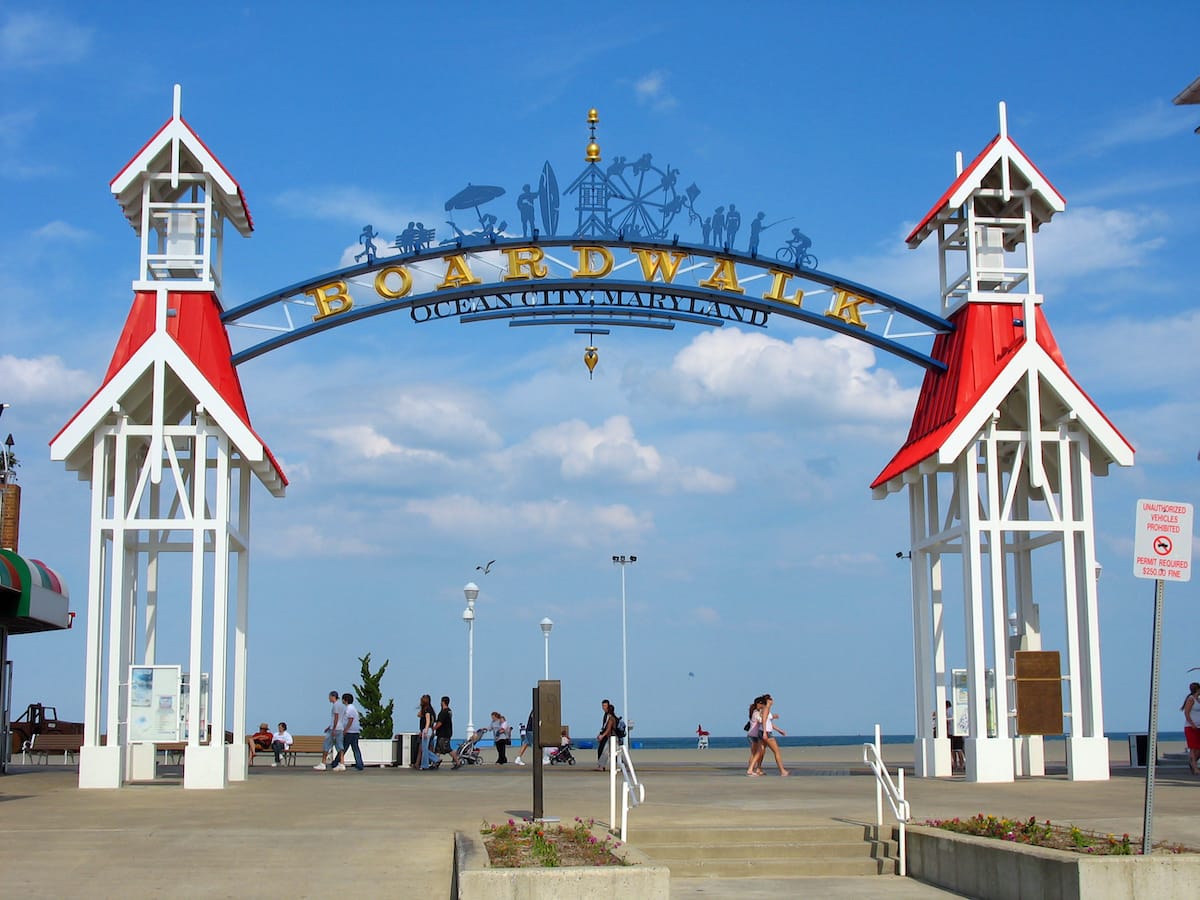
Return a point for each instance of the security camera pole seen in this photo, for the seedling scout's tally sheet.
(624, 561)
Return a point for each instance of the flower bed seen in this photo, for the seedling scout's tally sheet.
(998, 866)
(592, 876)
(515, 845)
(1044, 834)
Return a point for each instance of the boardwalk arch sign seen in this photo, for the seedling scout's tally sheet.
(998, 463)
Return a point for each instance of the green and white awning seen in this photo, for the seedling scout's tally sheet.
(32, 595)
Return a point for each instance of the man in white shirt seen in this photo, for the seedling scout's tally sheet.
(352, 731)
(334, 735)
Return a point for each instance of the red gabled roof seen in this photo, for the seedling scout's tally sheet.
(966, 173)
(196, 327)
(983, 341)
(182, 121)
(970, 173)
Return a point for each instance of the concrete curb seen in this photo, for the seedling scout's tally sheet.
(992, 869)
(474, 879)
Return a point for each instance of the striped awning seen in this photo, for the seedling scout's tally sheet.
(33, 597)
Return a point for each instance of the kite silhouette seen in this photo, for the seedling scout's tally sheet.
(485, 569)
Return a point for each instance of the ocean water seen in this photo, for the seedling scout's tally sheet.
(738, 742)
(818, 740)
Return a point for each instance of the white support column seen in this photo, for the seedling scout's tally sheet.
(999, 611)
(118, 628)
(1087, 754)
(1030, 753)
(204, 765)
(218, 680)
(942, 762)
(238, 753)
(926, 718)
(988, 759)
(99, 766)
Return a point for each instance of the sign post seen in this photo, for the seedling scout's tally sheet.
(1162, 550)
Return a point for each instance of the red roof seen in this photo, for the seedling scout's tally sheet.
(154, 137)
(945, 198)
(196, 327)
(981, 345)
(970, 173)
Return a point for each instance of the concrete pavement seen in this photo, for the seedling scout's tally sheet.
(389, 832)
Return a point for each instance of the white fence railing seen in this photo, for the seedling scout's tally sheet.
(873, 756)
(633, 792)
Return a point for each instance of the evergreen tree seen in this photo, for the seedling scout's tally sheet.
(376, 719)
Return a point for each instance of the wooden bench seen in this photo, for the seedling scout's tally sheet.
(53, 742)
(301, 743)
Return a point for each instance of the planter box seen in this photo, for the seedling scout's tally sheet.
(1002, 870)
(475, 879)
(378, 751)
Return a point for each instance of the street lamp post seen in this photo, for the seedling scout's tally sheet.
(471, 592)
(547, 627)
(624, 561)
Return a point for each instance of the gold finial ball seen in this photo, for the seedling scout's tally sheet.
(593, 116)
(590, 358)
(593, 153)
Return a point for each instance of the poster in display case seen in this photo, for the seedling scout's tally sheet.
(154, 703)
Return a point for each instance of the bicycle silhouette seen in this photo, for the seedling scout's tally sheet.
(797, 254)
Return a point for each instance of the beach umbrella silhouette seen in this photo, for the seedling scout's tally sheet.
(474, 196)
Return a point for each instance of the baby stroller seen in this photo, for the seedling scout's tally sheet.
(562, 754)
(469, 753)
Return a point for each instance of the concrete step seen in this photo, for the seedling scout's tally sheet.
(815, 850)
(777, 868)
(737, 834)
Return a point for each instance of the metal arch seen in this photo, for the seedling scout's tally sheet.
(606, 286)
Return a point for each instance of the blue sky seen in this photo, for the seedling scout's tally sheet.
(734, 465)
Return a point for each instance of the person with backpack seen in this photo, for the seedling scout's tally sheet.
(608, 729)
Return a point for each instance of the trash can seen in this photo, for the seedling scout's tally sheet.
(1139, 746)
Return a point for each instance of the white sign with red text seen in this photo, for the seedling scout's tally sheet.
(1162, 541)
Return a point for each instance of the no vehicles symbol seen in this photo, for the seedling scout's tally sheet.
(1163, 545)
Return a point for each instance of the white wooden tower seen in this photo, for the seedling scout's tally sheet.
(999, 464)
(168, 448)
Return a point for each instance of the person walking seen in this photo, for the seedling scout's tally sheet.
(502, 734)
(426, 719)
(769, 728)
(444, 727)
(608, 728)
(1191, 728)
(334, 737)
(526, 739)
(353, 728)
(754, 735)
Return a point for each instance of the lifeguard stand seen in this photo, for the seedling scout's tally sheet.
(168, 448)
(998, 464)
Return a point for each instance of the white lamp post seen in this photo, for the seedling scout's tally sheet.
(471, 592)
(547, 627)
(624, 561)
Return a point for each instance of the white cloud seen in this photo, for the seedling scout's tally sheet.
(62, 231)
(1159, 121)
(34, 41)
(554, 521)
(302, 540)
(651, 90)
(364, 442)
(41, 379)
(833, 376)
(1088, 240)
(441, 418)
(706, 615)
(613, 452)
(842, 562)
(353, 206)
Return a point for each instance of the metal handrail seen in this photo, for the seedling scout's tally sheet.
(873, 757)
(633, 792)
